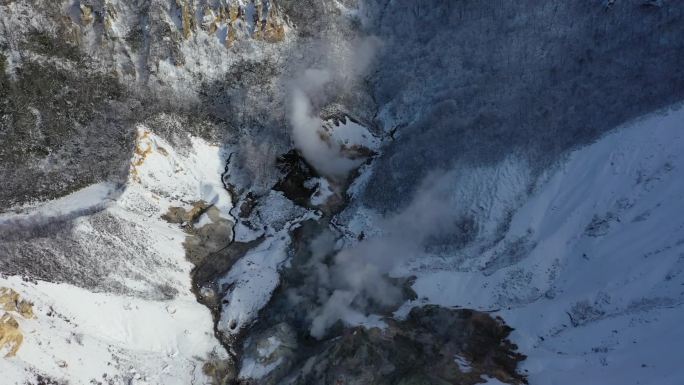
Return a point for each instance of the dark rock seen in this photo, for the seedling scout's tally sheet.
(296, 172)
(422, 349)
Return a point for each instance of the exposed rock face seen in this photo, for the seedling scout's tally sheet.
(11, 336)
(270, 355)
(12, 302)
(239, 19)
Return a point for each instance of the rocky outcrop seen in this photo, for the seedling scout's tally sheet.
(433, 345)
(10, 301)
(257, 19)
(11, 336)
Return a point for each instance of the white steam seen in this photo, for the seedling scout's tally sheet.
(313, 89)
(356, 280)
(309, 138)
(358, 277)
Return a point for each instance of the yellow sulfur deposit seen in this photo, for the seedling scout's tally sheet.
(10, 301)
(10, 335)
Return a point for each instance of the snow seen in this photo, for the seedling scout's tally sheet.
(492, 381)
(202, 221)
(351, 133)
(80, 335)
(245, 234)
(589, 272)
(258, 368)
(206, 55)
(97, 333)
(273, 344)
(252, 369)
(254, 278)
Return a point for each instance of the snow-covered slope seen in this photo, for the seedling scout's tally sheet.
(79, 336)
(142, 324)
(590, 269)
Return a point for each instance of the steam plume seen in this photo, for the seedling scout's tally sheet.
(314, 88)
(358, 276)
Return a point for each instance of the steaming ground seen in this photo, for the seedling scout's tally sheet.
(604, 307)
(316, 88)
(580, 269)
(340, 183)
(357, 278)
(587, 270)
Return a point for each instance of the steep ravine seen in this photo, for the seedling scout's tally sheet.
(429, 345)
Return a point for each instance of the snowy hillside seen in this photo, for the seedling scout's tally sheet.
(589, 272)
